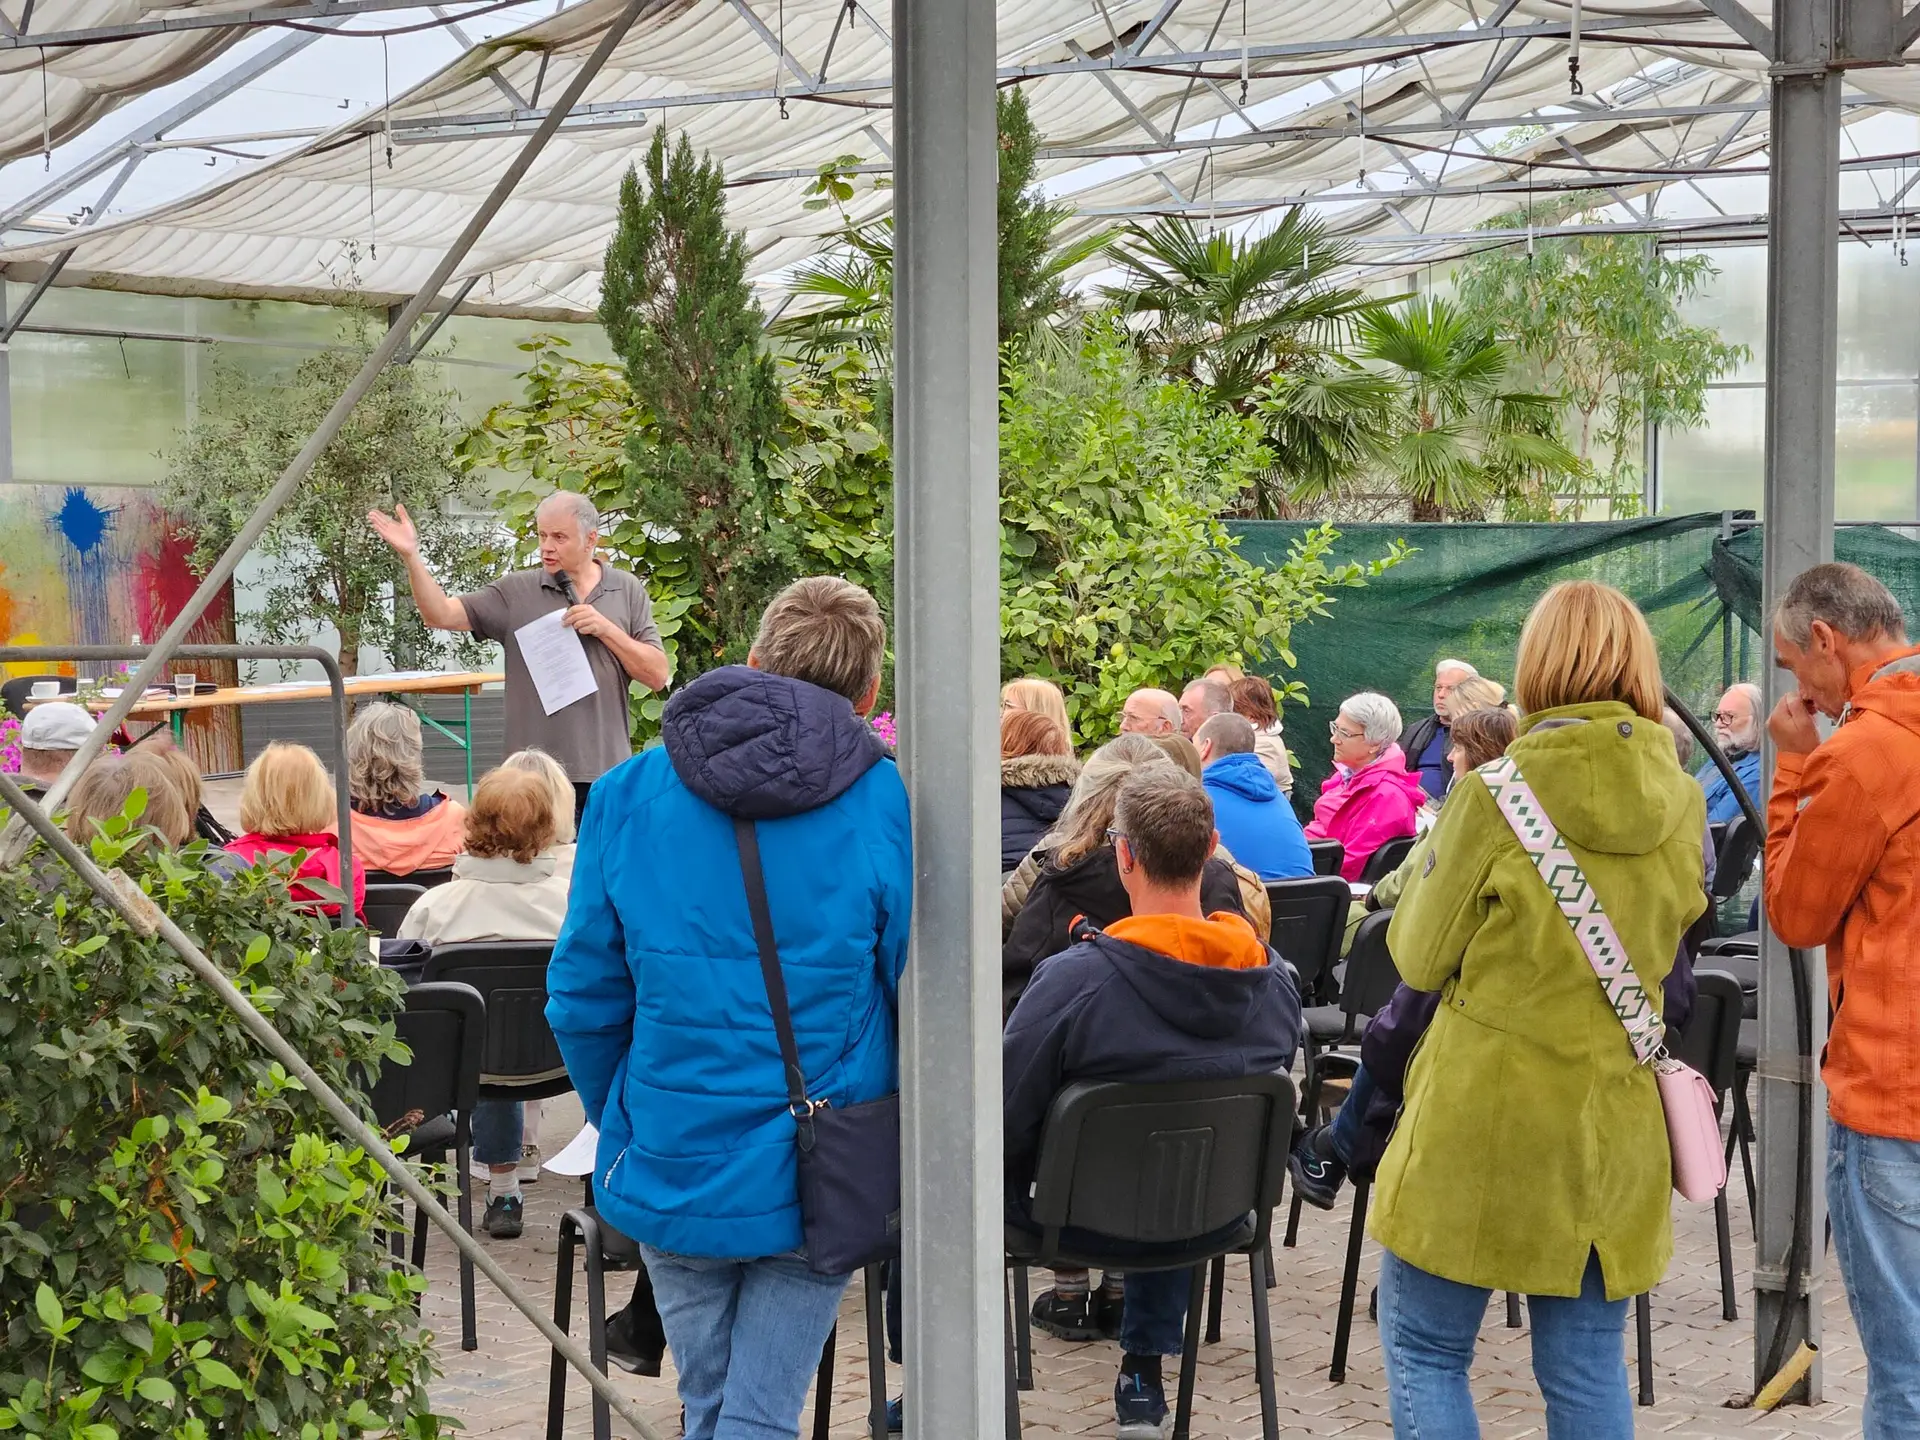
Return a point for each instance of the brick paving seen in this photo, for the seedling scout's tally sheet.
(1701, 1361)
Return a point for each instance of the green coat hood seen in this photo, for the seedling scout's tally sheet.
(1605, 776)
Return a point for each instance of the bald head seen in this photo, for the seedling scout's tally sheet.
(1150, 712)
(1223, 735)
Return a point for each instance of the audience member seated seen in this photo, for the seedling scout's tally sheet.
(49, 735)
(103, 789)
(1043, 697)
(1476, 692)
(1370, 798)
(1253, 699)
(1037, 771)
(1200, 702)
(1424, 742)
(287, 804)
(396, 827)
(1227, 675)
(1736, 725)
(186, 778)
(1253, 890)
(1171, 991)
(539, 762)
(1150, 712)
(1256, 822)
(1682, 739)
(503, 888)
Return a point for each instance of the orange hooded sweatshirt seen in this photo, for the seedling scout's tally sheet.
(1222, 941)
(1843, 870)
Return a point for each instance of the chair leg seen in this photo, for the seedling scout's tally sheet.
(823, 1388)
(1263, 1346)
(597, 1324)
(1513, 1311)
(1293, 1223)
(875, 1281)
(463, 1157)
(1022, 1331)
(1722, 1230)
(1349, 1283)
(562, 1316)
(1215, 1297)
(1643, 1325)
(1013, 1388)
(1743, 1128)
(1190, 1353)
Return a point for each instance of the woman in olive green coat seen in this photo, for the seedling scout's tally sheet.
(1531, 1154)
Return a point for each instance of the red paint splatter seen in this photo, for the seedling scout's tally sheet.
(164, 582)
(6, 609)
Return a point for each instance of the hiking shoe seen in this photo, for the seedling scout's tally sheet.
(1140, 1407)
(1317, 1172)
(503, 1220)
(636, 1348)
(1108, 1306)
(530, 1159)
(1065, 1317)
(896, 1417)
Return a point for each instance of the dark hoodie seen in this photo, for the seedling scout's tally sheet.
(1033, 792)
(655, 991)
(1156, 997)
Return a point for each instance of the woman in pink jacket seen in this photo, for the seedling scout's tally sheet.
(1370, 798)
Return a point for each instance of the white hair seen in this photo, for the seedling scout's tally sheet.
(1452, 664)
(1376, 716)
(578, 508)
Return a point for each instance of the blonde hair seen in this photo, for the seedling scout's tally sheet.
(1083, 824)
(1043, 697)
(1586, 642)
(185, 776)
(538, 763)
(1476, 692)
(511, 816)
(103, 790)
(825, 631)
(385, 765)
(287, 792)
(1228, 675)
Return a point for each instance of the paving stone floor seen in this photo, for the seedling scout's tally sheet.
(500, 1390)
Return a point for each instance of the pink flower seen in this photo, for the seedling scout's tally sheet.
(9, 745)
(883, 727)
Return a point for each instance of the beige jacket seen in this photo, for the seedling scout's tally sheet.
(1253, 894)
(490, 899)
(1272, 751)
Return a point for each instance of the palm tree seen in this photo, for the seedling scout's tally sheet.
(1325, 426)
(847, 295)
(1227, 312)
(1458, 439)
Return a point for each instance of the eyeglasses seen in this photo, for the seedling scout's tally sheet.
(1112, 835)
(1728, 718)
(1334, 730)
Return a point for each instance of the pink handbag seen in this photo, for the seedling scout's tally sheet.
(1693, 1125)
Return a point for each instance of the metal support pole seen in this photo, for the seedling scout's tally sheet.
(947, 558)
(14, 838)
(1802, 310)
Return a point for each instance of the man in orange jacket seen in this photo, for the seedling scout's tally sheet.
(1843, 871)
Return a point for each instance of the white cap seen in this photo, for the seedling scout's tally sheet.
(55, 725)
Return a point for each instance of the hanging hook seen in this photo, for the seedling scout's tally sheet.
(1243, 54)
(46, 116)
(386, 111)
(1573, 53)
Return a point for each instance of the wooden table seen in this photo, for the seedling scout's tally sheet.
(402, 683)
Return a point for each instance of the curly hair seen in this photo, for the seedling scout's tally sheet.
(385, 764)
(511, 816)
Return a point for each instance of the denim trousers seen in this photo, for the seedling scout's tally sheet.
(1873, 1197)
(1428, 1327)
(1351, 1117)
(498, 1126)
(746, 1337)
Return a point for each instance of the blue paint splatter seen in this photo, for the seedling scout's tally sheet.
(86, 525)
(83, 523)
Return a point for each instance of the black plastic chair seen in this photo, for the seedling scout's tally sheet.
(1309, 922)
(14, 693)
(1733, 857)
(1710, 1043)
(428, 878)
(521, 1060)
(444, 1025)
(1327, 856)
(1387, 859)
(1171, 1165)
(387, 905)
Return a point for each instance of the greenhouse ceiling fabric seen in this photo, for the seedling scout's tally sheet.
(1365, 110)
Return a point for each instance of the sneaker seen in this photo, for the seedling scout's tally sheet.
(896, 1417)
(1065, 1317)
(503, 1220)
(1140, 1408)
(1317, 1172)
(530, 1158)
(632, 1351)
(1108, 1306)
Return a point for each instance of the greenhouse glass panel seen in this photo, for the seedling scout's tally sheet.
(1720, 465)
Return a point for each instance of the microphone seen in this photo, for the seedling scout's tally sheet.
(566, 585)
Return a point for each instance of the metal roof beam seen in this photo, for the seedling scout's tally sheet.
(1160, 18)
(315, 10)
(1743, 22)
(774, 43)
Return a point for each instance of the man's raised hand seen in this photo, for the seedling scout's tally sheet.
(396, 529)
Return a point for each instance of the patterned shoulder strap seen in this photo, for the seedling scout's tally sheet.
(1537, 835)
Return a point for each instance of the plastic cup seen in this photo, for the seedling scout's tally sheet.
(184, 683)
(46, 689)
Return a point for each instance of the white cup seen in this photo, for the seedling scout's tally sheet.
(46, 689)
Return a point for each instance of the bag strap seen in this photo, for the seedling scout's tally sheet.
(748, 840)
(1578, 902)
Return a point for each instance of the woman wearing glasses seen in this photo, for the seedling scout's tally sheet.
(1370, 798)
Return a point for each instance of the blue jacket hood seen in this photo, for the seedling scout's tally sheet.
(760, 746)
(1245, 775)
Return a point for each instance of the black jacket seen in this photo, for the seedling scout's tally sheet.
(1088, 889)
(1033, 792)
(1110, 1010)
(1413, 744)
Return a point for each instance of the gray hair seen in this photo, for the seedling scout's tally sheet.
(385, 765)
(1451, 664)
(1682, 736)
(1215, 696)
(579, 509)
(1167, 817)
(1227, 734)
(826, 631)
(539, 763)
(1843, 596)
(1376, 716)
(1082, 826)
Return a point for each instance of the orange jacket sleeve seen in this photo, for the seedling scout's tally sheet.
(1825, 838)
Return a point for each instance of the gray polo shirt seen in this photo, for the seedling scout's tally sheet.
(592, 735)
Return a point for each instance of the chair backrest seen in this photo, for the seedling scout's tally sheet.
(1371, 978)
(1711, 1041)
(1165, 1162)
(1733, 861)
(428, 878)
(1327, 856)
(14, 692)
(387, 905)
(1309, 922)
(520, 1059)
(1384, 861)
(445, 1026)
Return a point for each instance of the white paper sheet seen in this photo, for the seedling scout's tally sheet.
(577, 1158)
(556, 661)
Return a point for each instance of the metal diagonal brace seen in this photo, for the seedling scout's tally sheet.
(139, 911)
(15, 837)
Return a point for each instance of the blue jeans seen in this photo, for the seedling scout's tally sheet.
(1428, 1327)
(1154, 1319)
(1873, 1195)
(1351, 1118)
(498, 1127)
(746, 1337)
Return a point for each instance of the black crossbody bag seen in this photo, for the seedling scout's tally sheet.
(849, 1159)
